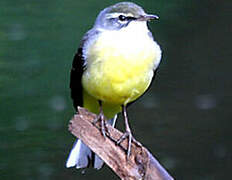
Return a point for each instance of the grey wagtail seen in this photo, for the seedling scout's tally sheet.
(114, 65)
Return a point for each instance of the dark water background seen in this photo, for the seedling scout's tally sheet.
(184, 119)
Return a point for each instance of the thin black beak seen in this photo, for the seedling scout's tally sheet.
(148, 17)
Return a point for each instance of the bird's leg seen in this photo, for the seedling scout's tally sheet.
(127, 133)
(100, 118)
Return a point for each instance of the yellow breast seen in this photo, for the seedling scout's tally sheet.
(120, 66)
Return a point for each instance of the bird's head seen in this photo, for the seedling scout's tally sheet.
(121, 15)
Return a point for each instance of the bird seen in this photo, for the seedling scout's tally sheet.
(114, 65)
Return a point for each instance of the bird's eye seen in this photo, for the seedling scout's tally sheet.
(122, 18)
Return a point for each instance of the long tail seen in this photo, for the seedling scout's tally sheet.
(81, 156)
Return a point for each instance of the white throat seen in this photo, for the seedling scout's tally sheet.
(134, 27)
(138, 27)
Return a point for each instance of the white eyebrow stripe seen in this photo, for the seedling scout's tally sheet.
(115, 15)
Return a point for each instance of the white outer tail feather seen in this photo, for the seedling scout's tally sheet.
(80, 154)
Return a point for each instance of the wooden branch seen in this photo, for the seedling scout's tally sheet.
(140, 165)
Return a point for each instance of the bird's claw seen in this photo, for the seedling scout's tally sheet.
(128, 135)
(100, 118)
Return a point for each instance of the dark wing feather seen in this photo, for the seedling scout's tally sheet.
(75, 79)
(78, 67)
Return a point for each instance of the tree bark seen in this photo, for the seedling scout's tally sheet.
(140, 165)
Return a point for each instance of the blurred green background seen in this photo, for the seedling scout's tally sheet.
(184, 119)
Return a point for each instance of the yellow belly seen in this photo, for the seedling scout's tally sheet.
(119, 71)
